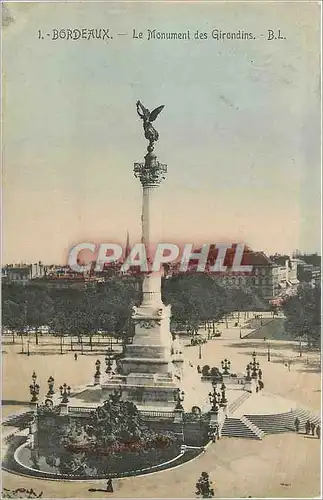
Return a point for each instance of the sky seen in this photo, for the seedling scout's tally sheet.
(240, 131)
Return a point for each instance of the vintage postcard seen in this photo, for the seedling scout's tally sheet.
(161, 258)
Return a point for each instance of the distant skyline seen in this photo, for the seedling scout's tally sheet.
(240, 131)
(88, 257)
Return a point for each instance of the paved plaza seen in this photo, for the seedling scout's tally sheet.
(283, 465)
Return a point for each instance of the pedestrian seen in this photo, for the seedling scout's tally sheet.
(289, 363)
(75, 357)
(109, 485)
(198, 369)
(313, 428)
(296, 423)
(318, 431)
(307, 426)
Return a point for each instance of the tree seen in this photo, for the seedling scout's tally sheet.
(303, 313)
(194, 298)
(59, 324)
(12, 317)
(115, 300)
(204, 486)
(40, 308)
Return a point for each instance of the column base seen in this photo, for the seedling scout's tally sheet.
(143, 389)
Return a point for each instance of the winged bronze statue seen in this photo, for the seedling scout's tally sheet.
(148, 117)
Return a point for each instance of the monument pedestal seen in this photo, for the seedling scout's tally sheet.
(149, 373)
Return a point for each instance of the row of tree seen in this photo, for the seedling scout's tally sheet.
(108, 306)
(303, 314)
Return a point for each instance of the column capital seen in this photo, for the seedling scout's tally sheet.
(151, 172)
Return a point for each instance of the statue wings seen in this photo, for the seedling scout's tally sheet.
(153, 115)
(146, 114)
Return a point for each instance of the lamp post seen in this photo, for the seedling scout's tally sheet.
(200, 351)
(254, 365)
(300, 347)
(28, 346)
(226, 364)
(34, 389)
(215, 399)
(97, 374)
(224, 400)
(268, 352)
(65, 391)
(108, 362)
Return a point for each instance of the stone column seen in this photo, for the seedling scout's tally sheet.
(63, 409)
(178, 418)
(33, 406)
(151, 227)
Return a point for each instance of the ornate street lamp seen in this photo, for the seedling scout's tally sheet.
(248, 377)
(97, 368)
(108, 362)
(65, 391)
(50, 383)
(34, 389)
(215, 399)
(254, 365)
(224, 400)
(300, 347)
(179, 398)
(226, 364)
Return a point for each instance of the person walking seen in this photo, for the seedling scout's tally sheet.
(318, 431)
(313, 428)
(307, 426)
(297, 424)
(109, 485)
(75, 357)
